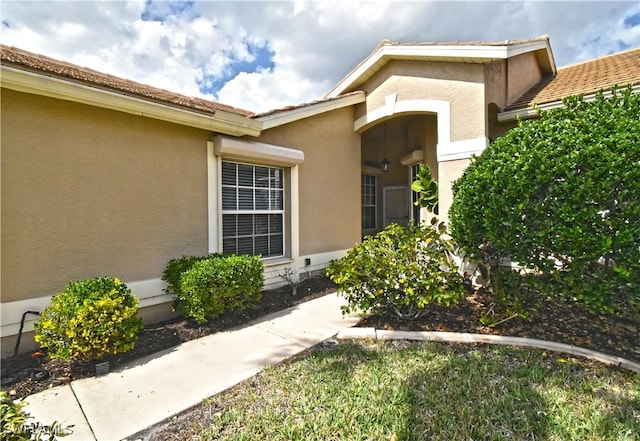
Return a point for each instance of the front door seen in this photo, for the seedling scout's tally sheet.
(395, 205)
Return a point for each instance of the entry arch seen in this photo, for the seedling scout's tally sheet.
(392, 107)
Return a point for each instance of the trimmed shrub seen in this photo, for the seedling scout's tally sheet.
(176, 267)
(559, 195)
(89, 319)
(15, 424)
(218, 284)
(399, 270)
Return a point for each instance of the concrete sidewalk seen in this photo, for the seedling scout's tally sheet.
(149, 390)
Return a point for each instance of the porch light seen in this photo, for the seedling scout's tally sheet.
(385, 164)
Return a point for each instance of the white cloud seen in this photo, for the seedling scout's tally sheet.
(314, 43)
(262, 91)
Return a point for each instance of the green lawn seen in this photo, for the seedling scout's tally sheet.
(411, 391)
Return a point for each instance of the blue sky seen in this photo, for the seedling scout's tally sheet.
(260, 55)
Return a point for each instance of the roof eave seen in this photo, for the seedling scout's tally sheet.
(220, 121)
(463, 51)
(296, 114)
(531, 112)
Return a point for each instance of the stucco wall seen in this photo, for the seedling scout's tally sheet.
(89, 192)
(329, 179)
(460, 84)
(495, 83)
(523, 72)
(449, 172)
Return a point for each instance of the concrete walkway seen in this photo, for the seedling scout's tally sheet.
(152, 389)
(149, 390)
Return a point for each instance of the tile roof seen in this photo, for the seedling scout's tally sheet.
(14, 57)
(584, 78)
(303, 105)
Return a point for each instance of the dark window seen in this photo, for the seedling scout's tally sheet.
(252, 209)
(368, 202)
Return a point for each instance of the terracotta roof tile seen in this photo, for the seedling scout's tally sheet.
(22, 59)
(302, 105)
(584, 78)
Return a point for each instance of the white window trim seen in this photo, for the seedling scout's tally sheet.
(282, 211)
(224, 147)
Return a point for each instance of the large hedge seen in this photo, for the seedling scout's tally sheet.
(561, 195)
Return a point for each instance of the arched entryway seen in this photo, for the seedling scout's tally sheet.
(392, 150)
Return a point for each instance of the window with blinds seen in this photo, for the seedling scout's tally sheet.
(368, 202)
(252, 209)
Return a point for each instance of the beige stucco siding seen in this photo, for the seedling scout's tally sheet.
(495, 83)
(523, 72)
(89, 192)
(459, 84)
(329, 179)
(506, 80)
(449, 172)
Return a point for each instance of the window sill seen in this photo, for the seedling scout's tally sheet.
(275, 261)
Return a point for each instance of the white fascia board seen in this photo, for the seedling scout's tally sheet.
(221, 121)
(534, 46)
(487, 52)
(288, 116)
(523, 48)
(530, 112)
(440, 51)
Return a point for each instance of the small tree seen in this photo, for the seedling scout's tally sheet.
(560, 195)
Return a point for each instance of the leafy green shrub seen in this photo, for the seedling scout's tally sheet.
(89, 319)
(15, 424)
(559, 195)
(427, 189)
(400, 270)
(219, 283)
(514, 295)
(176, 267)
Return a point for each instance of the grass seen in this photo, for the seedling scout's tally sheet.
(426, 391)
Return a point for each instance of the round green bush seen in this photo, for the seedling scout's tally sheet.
(399, 270)
(89, 319)
(217, 284)
(560, 195)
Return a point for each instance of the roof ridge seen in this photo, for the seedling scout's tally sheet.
(508, 42)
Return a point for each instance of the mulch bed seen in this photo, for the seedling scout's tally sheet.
(568, 323)
(561, 322)
(29, 373)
